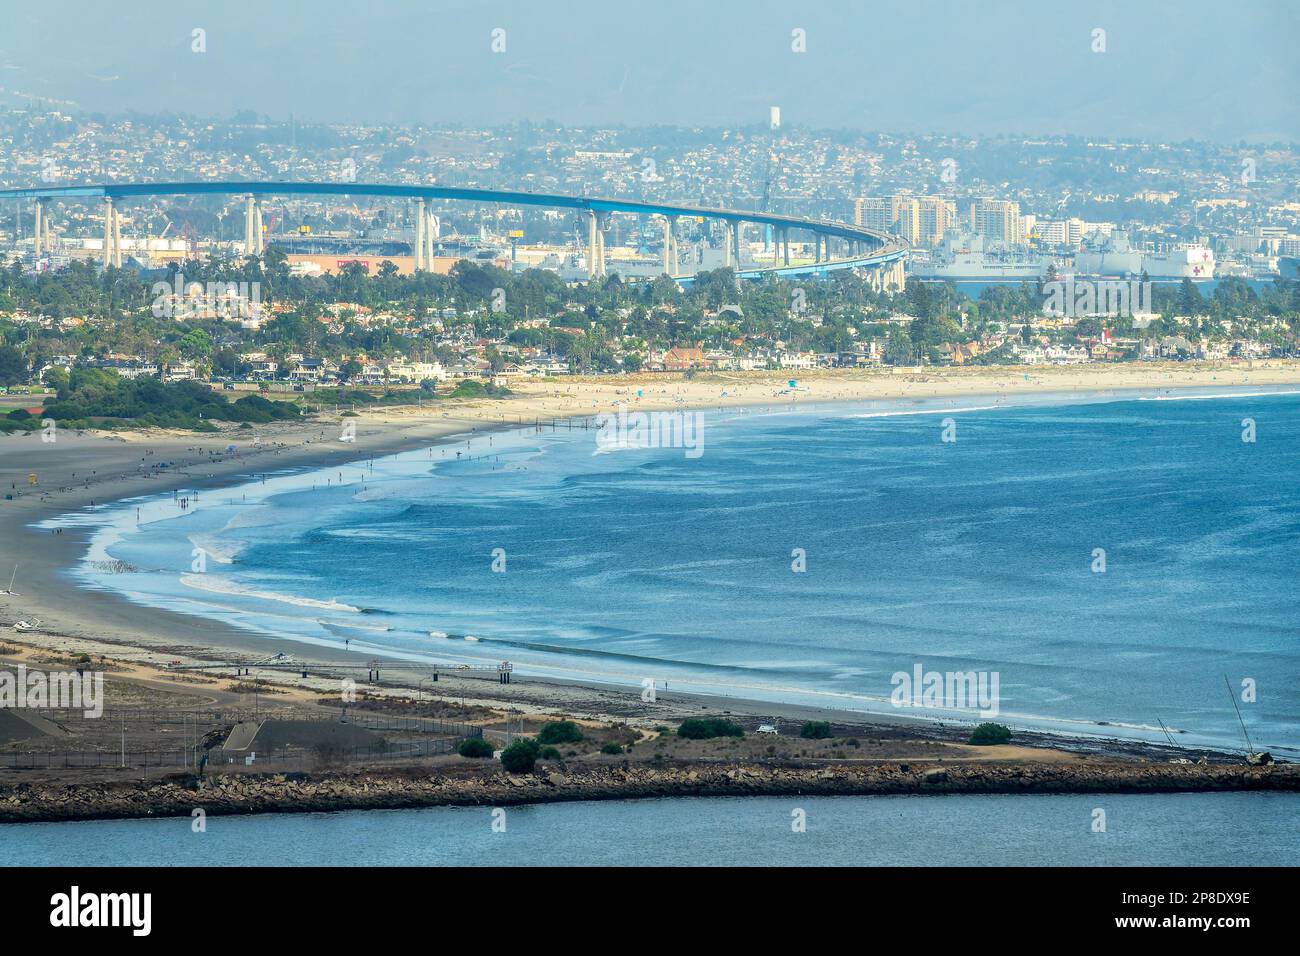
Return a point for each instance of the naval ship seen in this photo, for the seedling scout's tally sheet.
(978, 259)
(1115, 256)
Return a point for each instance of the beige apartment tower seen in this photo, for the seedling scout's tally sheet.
(921, 220)
(997, 219)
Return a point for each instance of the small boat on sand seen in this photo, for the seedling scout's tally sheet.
(1256, 758)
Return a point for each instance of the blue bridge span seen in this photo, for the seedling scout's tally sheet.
(838, 245)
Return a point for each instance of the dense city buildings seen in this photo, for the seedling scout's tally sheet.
(272, 289)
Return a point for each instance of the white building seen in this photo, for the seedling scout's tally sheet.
(416, 371)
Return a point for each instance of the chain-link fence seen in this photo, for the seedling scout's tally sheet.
(188, 756)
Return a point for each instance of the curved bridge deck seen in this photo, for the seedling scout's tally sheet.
(870, 248)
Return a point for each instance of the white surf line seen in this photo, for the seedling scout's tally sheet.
(1202, 398)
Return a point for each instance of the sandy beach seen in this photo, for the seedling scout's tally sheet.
(79, 470)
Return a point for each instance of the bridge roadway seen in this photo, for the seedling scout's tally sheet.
(868, 248)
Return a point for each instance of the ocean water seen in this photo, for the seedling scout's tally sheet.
(979, 554)
(1189, 829)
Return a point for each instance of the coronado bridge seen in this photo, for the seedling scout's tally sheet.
(877, 255)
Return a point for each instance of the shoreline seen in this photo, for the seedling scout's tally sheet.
(75, 618)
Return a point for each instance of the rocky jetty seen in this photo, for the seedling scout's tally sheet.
(300, 793)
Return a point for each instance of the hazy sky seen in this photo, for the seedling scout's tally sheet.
(1172, 69)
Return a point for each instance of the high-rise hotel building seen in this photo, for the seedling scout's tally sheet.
(997, 219)
(921, 220)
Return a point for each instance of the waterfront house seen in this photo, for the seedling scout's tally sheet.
(678, 359)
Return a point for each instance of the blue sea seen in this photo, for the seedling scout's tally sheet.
(1180, 829)
(1110, 557)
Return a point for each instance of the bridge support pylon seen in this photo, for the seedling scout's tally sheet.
(671, 264)
(112, 235)
(887, 277)
(40, 209)
(421, 240)
(430, 233)
(595, 245)
(602, 224)
(249, 243)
